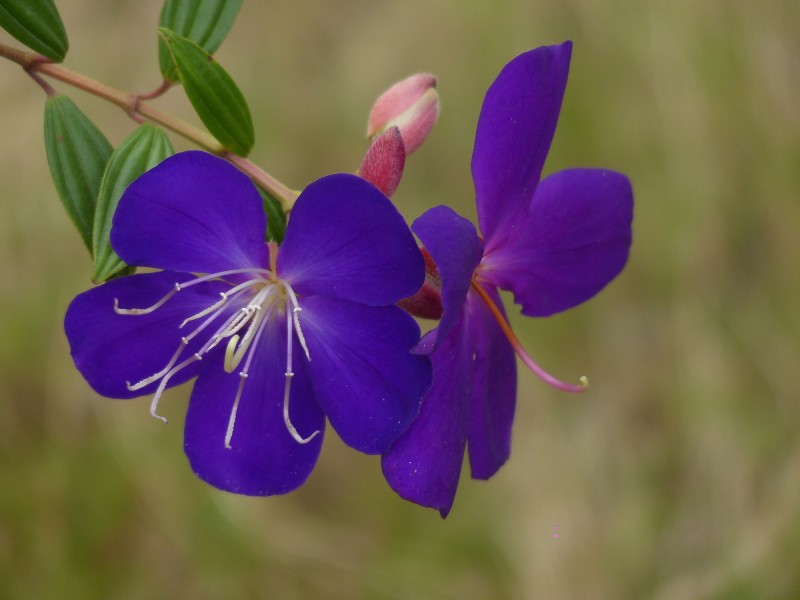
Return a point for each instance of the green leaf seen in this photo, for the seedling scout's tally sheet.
(37, 24)
(213, 94)
(205, 22)
(276, 218)
(77, 154)
(141, 151)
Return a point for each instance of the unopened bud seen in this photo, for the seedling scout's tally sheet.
(412, 105)
(383, 164)
(427, 302)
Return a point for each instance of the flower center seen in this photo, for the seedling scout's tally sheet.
(260, 298)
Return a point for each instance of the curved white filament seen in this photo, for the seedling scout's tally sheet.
(242, 377)
(288, 384)
(163, 385)
(252, 318)
(149, 309)
(295, 313)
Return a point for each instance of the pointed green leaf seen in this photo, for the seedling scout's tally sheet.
(77, 154)
(213, 94)
(37, 24)
(276, 218)
(141, 151)
(205, 22)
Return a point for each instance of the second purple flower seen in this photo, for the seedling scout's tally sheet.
(553, 243)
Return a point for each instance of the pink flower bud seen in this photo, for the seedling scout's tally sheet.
(384, 161)
(412, 105)
(427, 302)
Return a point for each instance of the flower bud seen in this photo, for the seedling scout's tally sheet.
(384, 161)
(427, 302)
(412, 105)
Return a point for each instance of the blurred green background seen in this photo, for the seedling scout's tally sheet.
(676, 476)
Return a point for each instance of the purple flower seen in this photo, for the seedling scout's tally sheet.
(553, 243)
(278, 338)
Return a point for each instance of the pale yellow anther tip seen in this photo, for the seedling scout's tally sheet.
(231, 362)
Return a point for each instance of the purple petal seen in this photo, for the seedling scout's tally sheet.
(515, 128)
(424, 465)
(264, 459)
(110, 349)
(574, 242)
(494, 389)
(456, 249)
(345, 239)
(193, 212)
(428, 342)
(365, 378)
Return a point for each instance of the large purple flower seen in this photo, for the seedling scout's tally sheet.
(553, 243)
(279, 338)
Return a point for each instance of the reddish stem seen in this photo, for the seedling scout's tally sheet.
(159, 91)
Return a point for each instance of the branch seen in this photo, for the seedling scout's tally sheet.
(137, 108)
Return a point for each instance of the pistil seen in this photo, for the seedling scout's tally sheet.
(520, 351)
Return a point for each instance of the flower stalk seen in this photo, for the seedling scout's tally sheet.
(137, 107)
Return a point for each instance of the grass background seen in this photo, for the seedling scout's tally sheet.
(676, 476)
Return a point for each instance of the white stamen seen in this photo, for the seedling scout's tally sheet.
(289, 370)
(183, 285)
(254, 345)
(244, 286)
(292, 295)
(209, 320)
(234, 357)
(239, 322)
(234, 323)
(149, 309)
(248, 337)
(155, 376)
(217, 337)
(295, 312)
(299, 331)
(288, 385)
(230, 351)
(243, 376)
(251, 317)
(163, 385)
(232, 418)
(223, 274)
(206, 311)
(183, 344)
(297, 437)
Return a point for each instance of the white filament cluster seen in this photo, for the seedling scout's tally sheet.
(242, 329)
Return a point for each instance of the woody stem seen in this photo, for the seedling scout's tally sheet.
(138, 108)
